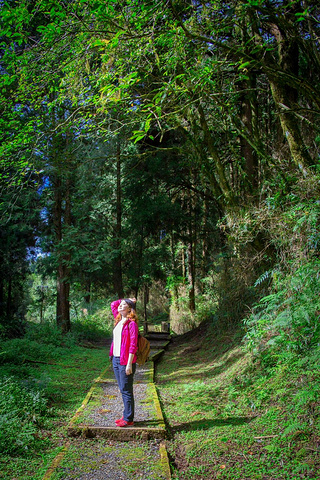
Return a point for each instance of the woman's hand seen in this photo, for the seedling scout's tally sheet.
(129, 364)
(134, 300)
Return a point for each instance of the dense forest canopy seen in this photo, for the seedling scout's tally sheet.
(168, 148)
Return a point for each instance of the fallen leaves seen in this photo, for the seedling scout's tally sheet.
(104, 410)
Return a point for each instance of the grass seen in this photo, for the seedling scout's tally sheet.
(65, 384)
(230, 418)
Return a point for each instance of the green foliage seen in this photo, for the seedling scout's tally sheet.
(18, 223)
(42, 296)
(89, 320)
(286, 322)
(39, 344)
(21, 410)
(94, 326)
(172, 285)
(38, 399)
(188, 92)
(45, 341)
(50, 334)
(204, 94)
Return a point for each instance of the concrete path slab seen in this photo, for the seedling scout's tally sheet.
(105, 459)
(103, 405)
(98, 449)
(96, 417)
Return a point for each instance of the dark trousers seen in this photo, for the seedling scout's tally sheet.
(125, 383)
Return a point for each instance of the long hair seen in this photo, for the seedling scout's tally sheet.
(132, 315)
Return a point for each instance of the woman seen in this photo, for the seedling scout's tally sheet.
(123, 352)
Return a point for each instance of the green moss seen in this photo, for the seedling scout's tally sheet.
(231, 419)
(138, 461)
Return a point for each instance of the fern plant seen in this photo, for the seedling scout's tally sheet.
(288, 318)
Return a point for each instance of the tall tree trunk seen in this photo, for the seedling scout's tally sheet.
(9, 297)
(248, 112)
(220, 171)
(285, 96)
(117, 270)
(191, 255)
(63, 305)
(191, 275)
(205, 246)
(57, 221)
(290, 127)
(63, 285)
(248, 119)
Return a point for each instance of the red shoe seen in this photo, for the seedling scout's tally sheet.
(124, 423)
(119, 420)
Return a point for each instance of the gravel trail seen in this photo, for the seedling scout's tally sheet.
(110, 460)
(106, 458)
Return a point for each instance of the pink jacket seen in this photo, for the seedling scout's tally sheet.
(129, 337)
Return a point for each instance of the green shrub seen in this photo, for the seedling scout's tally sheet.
(161, 317)
(21, 410)
(50, 334)
(93, 326)
(18, 350)
(287, 321)
(41, 342)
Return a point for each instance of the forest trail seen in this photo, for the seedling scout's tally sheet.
(99, 450)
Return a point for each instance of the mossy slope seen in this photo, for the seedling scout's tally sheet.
(231, 417)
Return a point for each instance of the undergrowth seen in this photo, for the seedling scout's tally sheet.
(44, 376)
(249, 409)
(286, 322)
(22, 409)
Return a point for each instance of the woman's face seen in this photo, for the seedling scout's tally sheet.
(123, 308)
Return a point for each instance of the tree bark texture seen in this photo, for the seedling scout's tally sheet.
(248, 119)
(117, 268)
(220, 171)
(290, 127)
(63, 285)
(191, 247)
(286, 96)
(9, 297)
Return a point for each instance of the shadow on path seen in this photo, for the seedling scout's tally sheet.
(206, 424)
(183, 369)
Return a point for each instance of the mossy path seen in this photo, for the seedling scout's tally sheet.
(101, 459)
(97, 449)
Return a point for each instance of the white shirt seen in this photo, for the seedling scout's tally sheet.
(117, 333)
